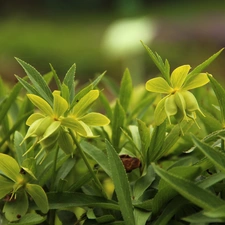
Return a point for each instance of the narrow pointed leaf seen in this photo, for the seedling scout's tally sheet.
(203, 65)
(69, 81)
(39, 196)
(121, 183)
(8, 102)
(97, 154)
(199, 196)
(37, 80)
(157, 141)
(86, 89)
(217, 157)
(117, 123)
(158, 85)
(155, 58)
(125, 89)
(220, 95)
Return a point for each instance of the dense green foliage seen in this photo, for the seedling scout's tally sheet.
(62, 163)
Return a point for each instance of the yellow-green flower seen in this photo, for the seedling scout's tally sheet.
(179, 101)
(51, 125)
(15, 187)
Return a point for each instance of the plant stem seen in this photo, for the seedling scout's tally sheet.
(54, 168)
(81, 152)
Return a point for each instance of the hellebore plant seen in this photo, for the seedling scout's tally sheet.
(62, 162)
(179, 101)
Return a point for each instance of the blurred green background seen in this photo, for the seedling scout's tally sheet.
(101, 35)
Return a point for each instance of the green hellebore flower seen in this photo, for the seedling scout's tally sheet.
(178, 99)
(15, 189)
(52, 125)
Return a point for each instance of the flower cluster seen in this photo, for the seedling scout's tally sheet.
(179, 101)
(51, 126)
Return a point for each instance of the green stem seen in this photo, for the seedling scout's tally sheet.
(81, 152)
(54, 168)
(222, 144)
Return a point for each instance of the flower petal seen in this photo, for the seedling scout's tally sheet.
(197, 81)
(180, 102)
(170, 106)
(74, 124)
(89, 133)
(60, 105)
(9, 167)
(51, 129)
(158, 85)
(84, 103)
(6, 186)
(95, 119)
(160, 113)
(179, 75)
(41, 104)
(32, 118)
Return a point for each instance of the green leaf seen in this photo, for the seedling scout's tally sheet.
(220, 95)
(157, 141)
(37, 80)
(30, 219)
(166, 192)
(203, 65)
(14, 210)
(106, 106)
(56, 78)
(8, 102)
(27, 86)
(159, 63)
(143, 183)
(39, 196)
(65, 170)
(121, 184)
(199, 218)
(141, 216)
(97, 154)
(217, 157)
(29, 165)
(144, 132)
(77, 199)
(117, 123)
(125, 90)
(199, 196)
(9, 167)
(20, 149)
(86, 90)
(69, 81)
(218, 212)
